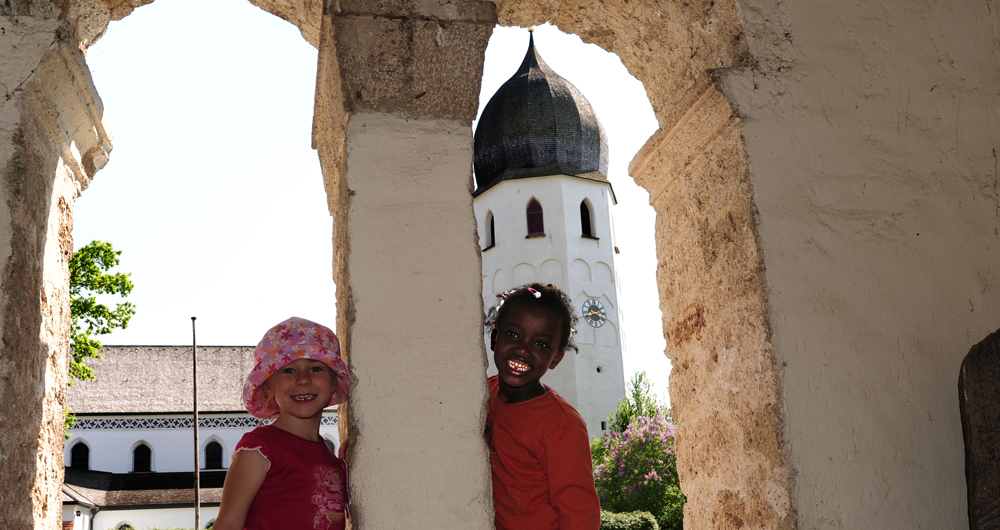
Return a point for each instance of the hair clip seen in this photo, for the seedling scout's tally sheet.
(535, 293)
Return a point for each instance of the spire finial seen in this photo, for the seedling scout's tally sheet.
(531, 29)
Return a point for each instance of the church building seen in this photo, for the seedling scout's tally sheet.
(130, 456)
(542, 202)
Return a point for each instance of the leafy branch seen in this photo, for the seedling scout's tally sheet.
(89, 277)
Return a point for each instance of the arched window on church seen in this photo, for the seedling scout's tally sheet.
(491, 237)
(142, 459)
(79, 456)
(213, 455)
(536, 222)
(586, 229)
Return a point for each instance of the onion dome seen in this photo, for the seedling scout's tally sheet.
(538, 124)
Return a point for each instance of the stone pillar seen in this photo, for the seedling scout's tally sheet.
(724, 386)
(397, 90)
(52, 142)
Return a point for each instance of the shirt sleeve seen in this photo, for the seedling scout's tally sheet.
(568, 465)
(252, 441)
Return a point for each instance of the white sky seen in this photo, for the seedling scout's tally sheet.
(215, 196)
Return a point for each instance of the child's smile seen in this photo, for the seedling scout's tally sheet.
(525, 345)
(302, 388)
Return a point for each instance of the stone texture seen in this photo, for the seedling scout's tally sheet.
(670, 46)
(398, 167)
(808, 343)
(724, 387)
(53, 143)
(979, 398)
(872, 134)
(414, 59)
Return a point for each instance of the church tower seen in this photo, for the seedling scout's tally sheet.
(542, 202)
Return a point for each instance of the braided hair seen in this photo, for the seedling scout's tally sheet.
(545, 295)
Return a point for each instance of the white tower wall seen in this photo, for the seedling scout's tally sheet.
(582, 267)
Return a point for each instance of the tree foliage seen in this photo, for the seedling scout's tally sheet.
(628, 521)
(88, 278)
(635, 467)
(639, 401)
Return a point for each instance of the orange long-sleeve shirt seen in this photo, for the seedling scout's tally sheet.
(543, 477)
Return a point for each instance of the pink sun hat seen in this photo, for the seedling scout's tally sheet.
(291, 340)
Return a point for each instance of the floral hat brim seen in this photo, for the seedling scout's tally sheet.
(291, 340)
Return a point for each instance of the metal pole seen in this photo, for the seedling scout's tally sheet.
(197, 452)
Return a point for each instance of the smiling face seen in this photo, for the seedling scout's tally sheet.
(525, 345)
(302, 389)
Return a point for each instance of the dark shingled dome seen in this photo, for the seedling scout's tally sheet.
(538, 124)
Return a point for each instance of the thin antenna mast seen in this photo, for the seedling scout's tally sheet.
(197, 452)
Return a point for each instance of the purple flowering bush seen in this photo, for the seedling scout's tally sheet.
(636, 470)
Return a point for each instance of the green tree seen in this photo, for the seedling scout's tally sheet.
(635, 466)
(638, 471)
(639, 401)
(89, 277)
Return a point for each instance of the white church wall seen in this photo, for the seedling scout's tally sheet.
(144, 519)
(172, 448)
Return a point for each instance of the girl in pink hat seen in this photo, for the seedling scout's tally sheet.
(283, 475)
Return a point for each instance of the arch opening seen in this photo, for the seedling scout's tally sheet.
(535, 218)
(142, 458)
(80, 456)
(586, 229)
(213, 455)
(695, 145)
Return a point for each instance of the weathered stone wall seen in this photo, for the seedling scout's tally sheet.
(815, 351)
(724, 384)
(872, 130)
(396, 94)
(51, 143)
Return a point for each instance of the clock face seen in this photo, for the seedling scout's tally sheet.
(594, 312)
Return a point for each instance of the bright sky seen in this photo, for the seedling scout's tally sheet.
(216, 198)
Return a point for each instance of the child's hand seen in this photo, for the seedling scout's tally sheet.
(342, 451)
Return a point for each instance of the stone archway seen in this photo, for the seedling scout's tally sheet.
(725, 390)
(396, 92)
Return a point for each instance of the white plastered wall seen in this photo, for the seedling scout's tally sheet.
(873, 134)
(415, 346)
(148, 519)
(111, 449)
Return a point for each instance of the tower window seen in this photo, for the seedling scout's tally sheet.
(585, 227)
(491, 238)
(536, 222)
(79, 456)
(142, 459)
(213, 455)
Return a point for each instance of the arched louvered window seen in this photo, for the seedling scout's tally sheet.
(142, 458)
(79, 456)
(491, 236)
(329, 443)
(536, 222)
(493, 231)
(213, 455)
(585, 226)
